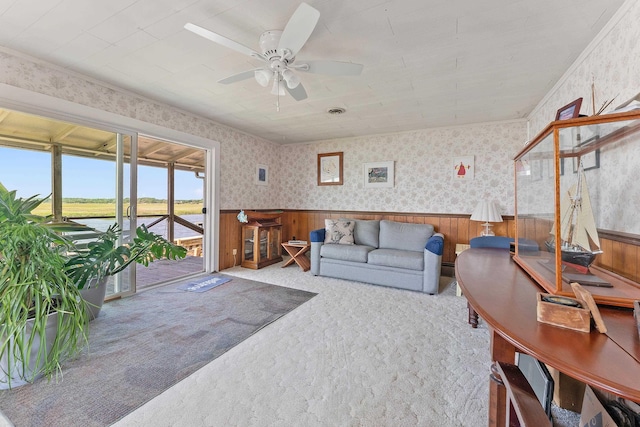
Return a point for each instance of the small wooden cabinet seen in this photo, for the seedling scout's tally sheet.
(261, 243)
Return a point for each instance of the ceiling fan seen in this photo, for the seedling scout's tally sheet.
(279, 49)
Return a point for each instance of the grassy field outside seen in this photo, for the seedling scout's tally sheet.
(93, 210)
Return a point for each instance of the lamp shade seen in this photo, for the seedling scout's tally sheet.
(262, 77)
(278, 86)
(486, 212)
(292, 80)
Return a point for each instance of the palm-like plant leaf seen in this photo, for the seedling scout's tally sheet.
(103, 258)
(33, 285)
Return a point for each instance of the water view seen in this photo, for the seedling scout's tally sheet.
(180, 231)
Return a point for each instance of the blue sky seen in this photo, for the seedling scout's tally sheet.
(29, 172)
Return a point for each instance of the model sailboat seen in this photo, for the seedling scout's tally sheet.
(578, 233)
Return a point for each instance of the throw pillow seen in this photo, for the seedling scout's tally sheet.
(339, 231)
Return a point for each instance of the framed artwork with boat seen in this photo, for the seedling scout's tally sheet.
(585, 224)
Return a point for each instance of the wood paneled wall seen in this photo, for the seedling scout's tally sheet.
(299, 223)
(621, 252)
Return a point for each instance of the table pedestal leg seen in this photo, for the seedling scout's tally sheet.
(501, 351)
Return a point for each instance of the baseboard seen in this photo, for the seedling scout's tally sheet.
(447, 269)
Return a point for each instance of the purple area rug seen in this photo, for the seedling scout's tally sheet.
(142, 345)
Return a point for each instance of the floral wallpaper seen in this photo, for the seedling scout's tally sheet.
(424, 181)
(612, 63)
(423, 161)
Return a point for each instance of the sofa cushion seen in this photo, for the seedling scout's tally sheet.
(410, 260)
(354, 253)
(404, 236)
(339, 231)
(367, 232)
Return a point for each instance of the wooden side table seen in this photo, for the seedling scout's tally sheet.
(298, 255)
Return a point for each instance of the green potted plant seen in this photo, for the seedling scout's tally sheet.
(42, 316)
(90, 267)
(43, 275)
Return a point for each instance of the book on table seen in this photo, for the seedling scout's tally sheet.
(297, 242)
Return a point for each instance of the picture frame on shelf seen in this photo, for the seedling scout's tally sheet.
(379, 174)
(262, 175)
(570, 111)
(330, 168)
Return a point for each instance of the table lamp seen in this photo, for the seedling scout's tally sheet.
(487, 212)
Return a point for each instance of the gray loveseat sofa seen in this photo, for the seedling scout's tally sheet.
(387, 253)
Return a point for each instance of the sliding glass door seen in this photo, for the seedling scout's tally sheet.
(99, 177)
(126, 208)
(170, 202)
(95, 191)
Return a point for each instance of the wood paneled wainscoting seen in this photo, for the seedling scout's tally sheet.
(620, 251)
(457, 228)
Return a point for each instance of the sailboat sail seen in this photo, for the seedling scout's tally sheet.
(585, 220)
(577, 225)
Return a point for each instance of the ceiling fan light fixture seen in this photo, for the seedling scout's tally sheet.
(292, 80)
(262, 77)
(278, 88)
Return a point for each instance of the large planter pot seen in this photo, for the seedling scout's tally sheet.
(93, 296)
(18, 374)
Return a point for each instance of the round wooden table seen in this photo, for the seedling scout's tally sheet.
(505, 297)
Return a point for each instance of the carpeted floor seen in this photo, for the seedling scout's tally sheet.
(141, 346)
(355, 355)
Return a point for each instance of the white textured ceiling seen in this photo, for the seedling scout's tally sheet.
(427, 63)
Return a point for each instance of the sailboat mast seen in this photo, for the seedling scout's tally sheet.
(576, 206)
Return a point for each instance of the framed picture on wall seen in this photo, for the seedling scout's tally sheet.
(463, 167)
(379, 174)
(330, 169)
(262, 174)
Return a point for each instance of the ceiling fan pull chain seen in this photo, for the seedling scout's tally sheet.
(278, 98)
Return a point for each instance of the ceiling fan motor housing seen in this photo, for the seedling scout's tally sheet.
(269, 44)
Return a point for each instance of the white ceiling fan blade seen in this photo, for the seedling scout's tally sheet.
(299, 28)
(222, 40)
(238, 77)
(331, 68)
(298, 93)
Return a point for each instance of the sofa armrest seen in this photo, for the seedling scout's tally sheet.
(317, 240)
(435, 244)
(317, 235)
(433, 263)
